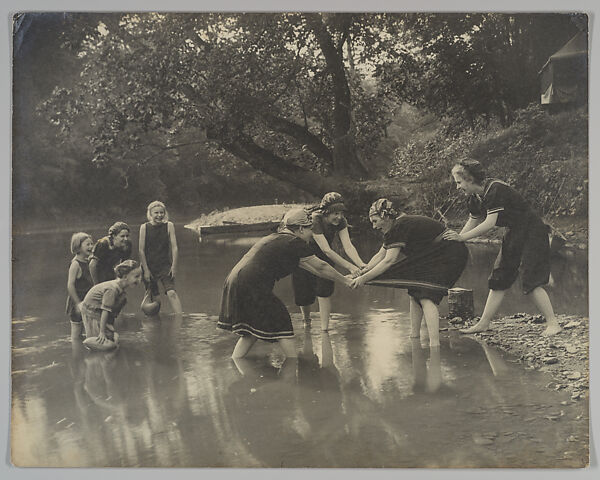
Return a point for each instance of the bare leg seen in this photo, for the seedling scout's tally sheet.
(324, 312)
(76, 328)
(305, 309)
(434, 371)
(416, 315)
(492, 305)
(288, 345)
(432, 319)
(326, 351)
(541, 299)
(174, 301)
(243, 345)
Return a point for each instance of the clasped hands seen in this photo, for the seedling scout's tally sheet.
(356, 278)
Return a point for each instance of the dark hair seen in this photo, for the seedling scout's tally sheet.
(472, 168)
(117, 227)
(125, 267)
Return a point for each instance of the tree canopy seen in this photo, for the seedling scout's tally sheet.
(304, 98)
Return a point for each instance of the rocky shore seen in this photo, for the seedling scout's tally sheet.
(564, 356)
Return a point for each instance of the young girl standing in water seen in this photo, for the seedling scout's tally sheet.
(109, 251)
(158, 254)
(103, 303)
(79, 280)
(525, 244)
(328, 222)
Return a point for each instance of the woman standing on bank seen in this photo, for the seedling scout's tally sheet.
(328, 221)
(416, 257)
(525, 244)
(249, 307)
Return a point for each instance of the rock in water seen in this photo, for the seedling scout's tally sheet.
(460, 303)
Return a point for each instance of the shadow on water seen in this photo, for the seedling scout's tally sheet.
(362, 395)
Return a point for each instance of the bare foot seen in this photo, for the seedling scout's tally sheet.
(412, 335)
(478, 327)
(551, 330)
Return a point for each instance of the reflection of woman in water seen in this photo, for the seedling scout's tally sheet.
(249, 307)
(416, 258)
(427, 378)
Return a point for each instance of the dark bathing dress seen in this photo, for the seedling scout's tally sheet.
(432, 265)
(525, 243)
(157, 248)
(82, 286)
(248, 305)
(108, 258)
(307, 287)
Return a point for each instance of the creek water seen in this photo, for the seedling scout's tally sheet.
(362, 395)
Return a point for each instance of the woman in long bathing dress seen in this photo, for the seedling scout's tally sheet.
(249, 307)
(415, 257)
(525, 245)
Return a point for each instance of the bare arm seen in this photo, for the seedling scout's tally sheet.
(472, 229)
(349, 248)
(74, 274)
(470, 225)
(103, 321)
(327, 250)
(392, 255)
(174, 250)
(322, 269)
(142, 252)
(94, 270)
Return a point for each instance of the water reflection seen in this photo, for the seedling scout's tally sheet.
(362, 395)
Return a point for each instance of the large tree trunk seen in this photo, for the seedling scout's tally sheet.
(345, 158)
(302, 135)
(244, 147)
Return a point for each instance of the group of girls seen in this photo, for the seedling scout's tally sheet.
(418, 254)
(100, 274)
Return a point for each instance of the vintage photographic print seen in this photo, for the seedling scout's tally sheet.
(300, 239)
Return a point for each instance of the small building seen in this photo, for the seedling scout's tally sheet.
(564, 77)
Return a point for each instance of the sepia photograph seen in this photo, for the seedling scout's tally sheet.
(300, 239)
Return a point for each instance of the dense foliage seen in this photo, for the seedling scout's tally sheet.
(544, 156)
(209, 110)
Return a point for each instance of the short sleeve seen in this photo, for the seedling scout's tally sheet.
(495, 198)
(100, 249)
(396, 237)
(475, 207)
(109, 300)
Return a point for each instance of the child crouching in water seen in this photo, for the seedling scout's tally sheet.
(103, 303)
(158, 254)
(79, 280)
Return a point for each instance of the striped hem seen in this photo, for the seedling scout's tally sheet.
(394, 245)
(407, 283)
(495, 210)
(244, 327)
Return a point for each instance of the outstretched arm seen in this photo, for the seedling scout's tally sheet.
(327, 250)
(474, 231)
(349, 248)
(322, 269)
(392, 255)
